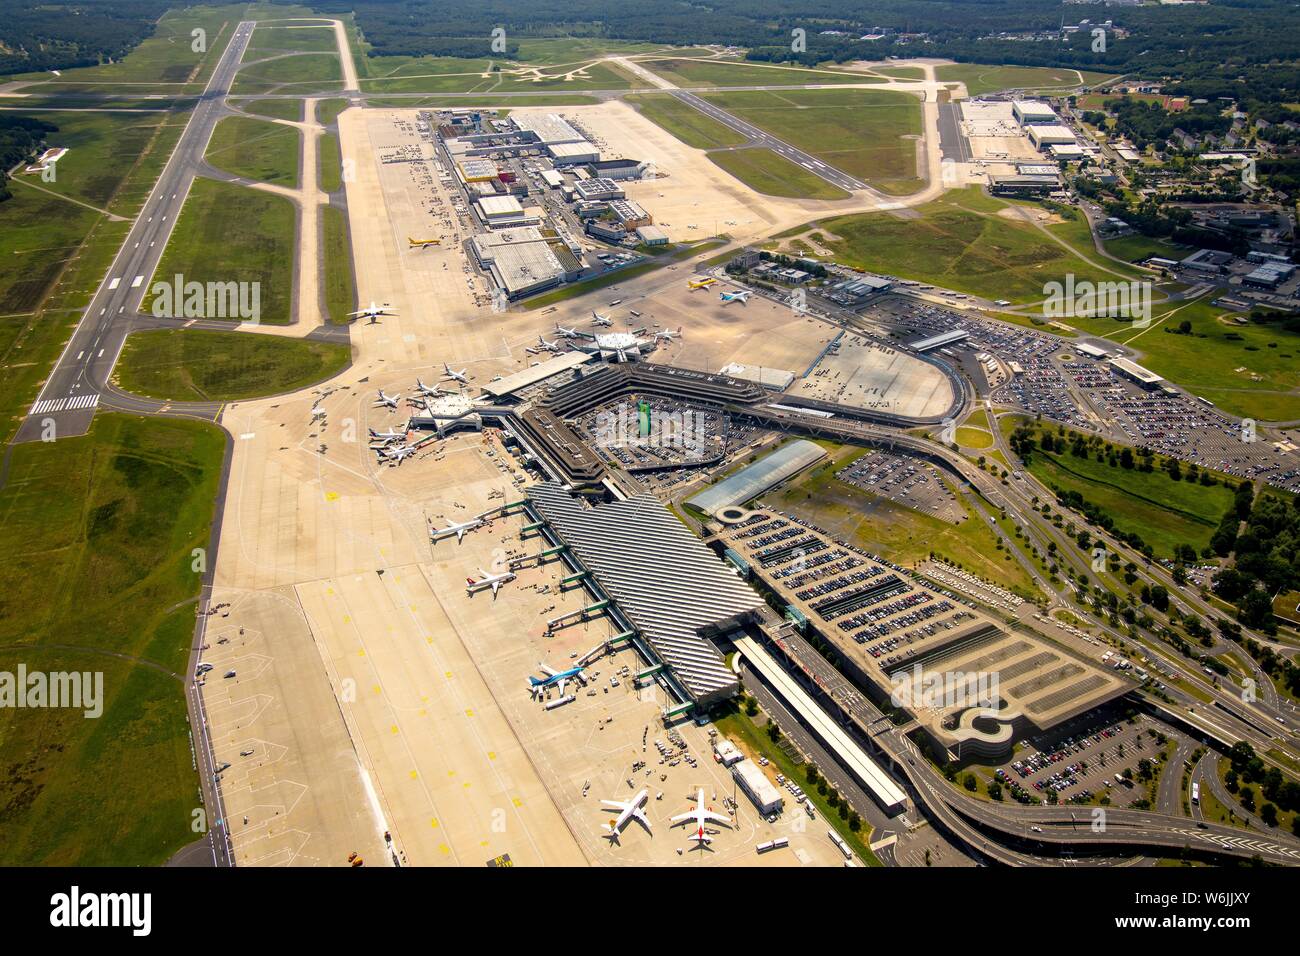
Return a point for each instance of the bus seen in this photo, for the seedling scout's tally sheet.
(1196, 794)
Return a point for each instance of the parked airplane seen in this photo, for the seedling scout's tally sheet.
(741, 297)
(668, 335)
(458, 528)
(422, 243)
(374, 312)
(554, 678)
(485, 580)
(455, 376)
(388, 437)
(701, 815)
(701, 283)
(598, 319)
(433, 391)
(397, 455)
(626, 811)
(388, 401)
(548, 345)
(564, 333)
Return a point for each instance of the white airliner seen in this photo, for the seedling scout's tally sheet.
(458, 528)
(485, 580)
(598, 319)
(668, 335)
(631, 810)
(554, 678)
(374, 312)
(450, 373)
(388, 437)
(564, 333)
(397, 455)
(433, 391)
(701, 815)
(741, 297)
(548, 345)
(388, 401)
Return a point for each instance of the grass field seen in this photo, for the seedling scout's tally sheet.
(255, 149)
(299, 73)
(340, 289)
(1137, 248)
(487, 101)
(329, 161)
(959, 242)
(1164, 512)
(229, 233)
(684, 121)
(286, 109)
(904, 535)
(463, 76)
(168, 57)
(698, 73)
(773, 175)
(1249, 370)
(202, 365)
(274, 38)
(96, 539)
(327, 111)
(981, 78)
(860, 132)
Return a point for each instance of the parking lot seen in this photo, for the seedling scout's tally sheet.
(905, 480)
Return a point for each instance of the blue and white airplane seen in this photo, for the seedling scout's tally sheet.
(741, 297)
(536, 685)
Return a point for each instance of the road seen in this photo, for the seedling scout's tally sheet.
(76, 386)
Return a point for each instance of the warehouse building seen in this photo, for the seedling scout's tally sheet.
(597, 190)
(1044, 136)
(652, 235)
(632, 215)
(573, 153)
(520, 260)
(1034, 113)
(1023, 185)
(617, 169)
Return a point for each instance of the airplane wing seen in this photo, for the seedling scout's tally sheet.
(613, 805)
(561, 685)
(460, 534)
(548, 670)
(682, 817)
(496, 586)
(712, 816)
(641, 818)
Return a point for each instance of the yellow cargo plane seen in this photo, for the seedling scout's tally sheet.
(700, 283)
(423, 243)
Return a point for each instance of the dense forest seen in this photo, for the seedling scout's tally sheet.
(1209, 44)
(56, 36)
(19, 138)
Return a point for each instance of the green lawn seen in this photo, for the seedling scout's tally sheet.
(96, 574)
(255, 149)
(960, 242)
(274, 38)
(340, 289)
(287, 109)
(1137, 248)
(301, 73)
(327, 111)
(980, 78)
(329, 160)
(904, 535)
(230, 233)
(1164, 512)
(202, 365)
(697, 73)
(773, 175)
(860, 132)
(167, 58)
(461, 76)
(684, 121)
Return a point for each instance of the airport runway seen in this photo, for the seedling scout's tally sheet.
(760, 138)
(77, 384)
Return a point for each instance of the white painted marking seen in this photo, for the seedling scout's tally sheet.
(247, 435)
(79, 355)
(135, 283)
(115, 283)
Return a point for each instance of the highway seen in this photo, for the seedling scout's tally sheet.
(78, 382)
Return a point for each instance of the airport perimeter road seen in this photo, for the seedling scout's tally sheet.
(77, 383)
